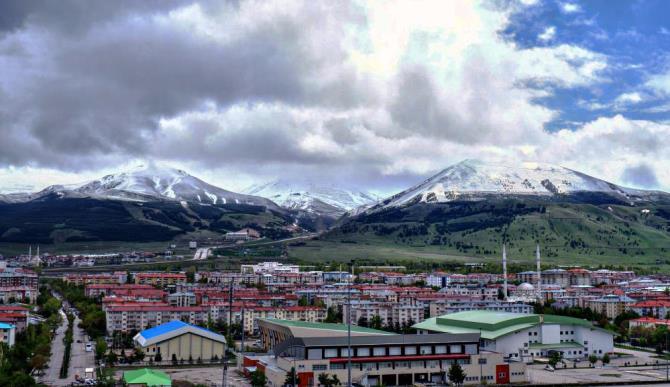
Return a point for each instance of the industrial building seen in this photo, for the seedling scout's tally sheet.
(376, 357)
(181, 341)
(525, 336)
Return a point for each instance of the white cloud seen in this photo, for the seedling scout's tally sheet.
(548, 34)
(365, 92)
(659, 83)
(628, 99)
(570, 7)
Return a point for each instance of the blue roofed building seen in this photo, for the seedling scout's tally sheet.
(7, 333)
(180, 341)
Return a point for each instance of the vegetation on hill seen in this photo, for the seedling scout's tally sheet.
(567, 231)
(56, 220)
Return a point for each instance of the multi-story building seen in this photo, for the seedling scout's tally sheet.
(651, 308)
(126, 291)
(389, 313)
(138, 316)
(610, 305)
(377, 358)
(442, 307)
(269, 268)
(82, 279)
(525, 336)
(15, 315)
(160, 279)
(7, 333)
(18, 283)
(181, 299)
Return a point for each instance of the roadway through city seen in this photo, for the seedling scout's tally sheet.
(79, 358)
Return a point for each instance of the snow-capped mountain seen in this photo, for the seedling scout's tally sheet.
(474, 179)
(310, 197)
(149, 183)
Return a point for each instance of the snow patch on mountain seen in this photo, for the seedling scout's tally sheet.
(310, 197)
(147, 183)
(472, 178)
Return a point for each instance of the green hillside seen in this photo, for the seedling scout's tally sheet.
(567, 232)
(55, 220)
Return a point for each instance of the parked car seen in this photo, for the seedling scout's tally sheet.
(549, 368)
(89, 347)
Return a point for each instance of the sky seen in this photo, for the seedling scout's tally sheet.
(362, 94)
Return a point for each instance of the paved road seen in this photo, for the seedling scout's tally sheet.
(79, 358)
(50, 376)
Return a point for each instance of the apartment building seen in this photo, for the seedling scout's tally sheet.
(160, 279)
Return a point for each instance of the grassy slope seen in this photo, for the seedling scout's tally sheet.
(568, 233)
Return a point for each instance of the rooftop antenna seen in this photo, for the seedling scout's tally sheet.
(504, 264)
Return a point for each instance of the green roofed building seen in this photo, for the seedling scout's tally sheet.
(525, 336)
(146, 377)
(275, 331)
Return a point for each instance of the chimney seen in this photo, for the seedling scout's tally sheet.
(504, 263)
(539, 273)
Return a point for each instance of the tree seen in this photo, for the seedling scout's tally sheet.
(376, 322)
(258, 379)
(111, 358)
(100, 348)
(362, 322)
(291, 378)
(174, 359)
(158, 358)
(139, 355)
(555, 357)
(606, 359)
(456, 374)
(38, 362)
(333, 315)
(328, 381)
(593, 359)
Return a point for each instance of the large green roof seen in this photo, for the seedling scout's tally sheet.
(325, 326)
(491, 324)
(148, 377)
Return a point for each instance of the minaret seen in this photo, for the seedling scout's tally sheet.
(539, 273)
(504, 272)
(30, 253)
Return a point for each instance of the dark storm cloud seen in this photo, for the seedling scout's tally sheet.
(642, 176)
(93, 78)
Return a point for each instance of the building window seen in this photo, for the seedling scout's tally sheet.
(471, 349)
(410, 350)
(363, 352)
(319, 367)
(330, 352)
(337, 366)
(426, 350)
(395, 351)
(379, 351)
(344, 352)
(455, 348)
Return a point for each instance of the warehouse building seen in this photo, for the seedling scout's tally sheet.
(377, 358)
(525, 336)
(177, 340)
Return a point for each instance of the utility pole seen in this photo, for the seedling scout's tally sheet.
(230, 326)
(351, 277)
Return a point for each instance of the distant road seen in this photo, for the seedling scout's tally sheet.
(200, 254)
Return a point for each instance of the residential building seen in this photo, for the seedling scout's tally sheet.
(7, 334)
(611, 305)
(160, 279)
